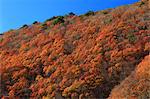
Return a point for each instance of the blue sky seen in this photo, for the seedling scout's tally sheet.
(15, 13)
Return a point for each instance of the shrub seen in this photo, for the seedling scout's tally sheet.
(24, 26)
(105, 12)
(26, 49)
(11, 30)
(52, 18)
(131, 37)
(77, 37)
(59, 19)
(89, 13)
(72, 14)
(18, 45)
(141, 3)
(142, 27)
(1, 34)
(1, 39)
(44, 26)
(35, 22)
(68, 48)
(107, 21)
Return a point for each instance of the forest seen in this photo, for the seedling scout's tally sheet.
(97, 55)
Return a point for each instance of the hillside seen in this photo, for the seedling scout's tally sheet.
(137, 85)
(79, 57)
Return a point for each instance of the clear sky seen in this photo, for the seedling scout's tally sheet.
(15, 13)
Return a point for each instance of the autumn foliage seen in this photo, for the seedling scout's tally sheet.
(136, 85)
(74, 56)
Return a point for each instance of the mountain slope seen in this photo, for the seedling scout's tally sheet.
(137, 85)
(74, 56)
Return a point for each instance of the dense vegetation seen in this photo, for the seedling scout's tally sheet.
(136, 85)
(75, 56)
